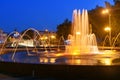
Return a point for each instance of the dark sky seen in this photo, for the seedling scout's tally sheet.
(40, 14)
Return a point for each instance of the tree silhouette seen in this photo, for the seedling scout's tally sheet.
(64, 29)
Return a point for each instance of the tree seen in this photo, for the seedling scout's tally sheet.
(64, 29)
(98, 22)
(115, 22)
(28, 35)
(116, 1)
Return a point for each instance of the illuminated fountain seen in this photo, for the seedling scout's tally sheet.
(82, 49)
(25, 45)
(82, 40)
(113, 42)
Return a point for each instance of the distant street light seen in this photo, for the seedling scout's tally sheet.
(106, 11)
(108, 29)
(53, 37)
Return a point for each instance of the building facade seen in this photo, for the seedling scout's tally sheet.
(3, 36)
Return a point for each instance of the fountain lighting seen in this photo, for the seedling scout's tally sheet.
(82, 41)
(81, 48)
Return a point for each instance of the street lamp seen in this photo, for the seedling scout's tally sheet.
(108, 29)
(106, 11)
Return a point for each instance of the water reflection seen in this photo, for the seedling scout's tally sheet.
(77, 61)
(69, 60)
(52, 60)
(47, 60)
(106, 61)
(81, 62)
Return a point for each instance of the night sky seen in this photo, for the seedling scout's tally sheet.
(40, 14)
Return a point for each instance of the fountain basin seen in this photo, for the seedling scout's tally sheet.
(60, 71)
(60, 65)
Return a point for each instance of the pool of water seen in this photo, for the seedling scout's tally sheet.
(60, 58)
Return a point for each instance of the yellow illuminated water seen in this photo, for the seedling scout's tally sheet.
(82, 39)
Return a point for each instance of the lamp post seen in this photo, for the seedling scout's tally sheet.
(106, 11)
(108, 29)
